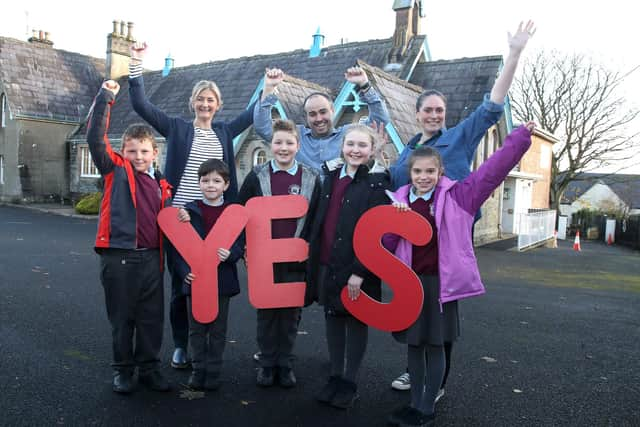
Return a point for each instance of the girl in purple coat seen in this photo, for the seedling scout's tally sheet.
(449, 206)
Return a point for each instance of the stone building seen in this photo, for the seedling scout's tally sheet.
(45, 94)
(399, 68)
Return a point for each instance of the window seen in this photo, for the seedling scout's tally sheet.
(3, 110)
(1, 169)
(259, 157)
(545, 157)
(87, 168)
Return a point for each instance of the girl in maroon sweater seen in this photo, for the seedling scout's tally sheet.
(348, 191)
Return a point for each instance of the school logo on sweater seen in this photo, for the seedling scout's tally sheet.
(295, 189)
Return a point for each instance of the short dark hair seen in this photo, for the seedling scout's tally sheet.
(285, 126)
(424, 151)
(311, 95)
(139, 131)
(427, 93)
(214, 165)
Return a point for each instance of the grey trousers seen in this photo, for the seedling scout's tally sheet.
(276, 333)
(277, 328)
(207, 340)
(134, 298)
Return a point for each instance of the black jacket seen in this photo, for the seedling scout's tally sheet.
(228, 284)
(364, 192)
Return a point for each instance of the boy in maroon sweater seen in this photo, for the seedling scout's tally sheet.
(129, 244)
(278, 327)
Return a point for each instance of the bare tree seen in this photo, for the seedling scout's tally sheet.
(580, 102)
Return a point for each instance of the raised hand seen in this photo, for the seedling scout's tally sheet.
(112, 86)
(381, 140)
(519, 40)
(273, 77)
(357, 76)
(138, 51)
(530, 125)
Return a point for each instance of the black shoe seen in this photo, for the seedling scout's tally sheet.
(212, 382)
(123, 383)
(154, 381)
(196, 380)
(265, 377)
(346, 395)
(179, 359)
(286, 377)
(408, 416)
(329, 390)
(413, 417)
(398, 415)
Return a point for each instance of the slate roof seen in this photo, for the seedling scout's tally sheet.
(238, 78)
(400, 97)
(40, 81)
(463, 81)
(627, 187)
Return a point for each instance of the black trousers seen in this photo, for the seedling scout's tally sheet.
(207, 340)
(178, 313)
(134, 297)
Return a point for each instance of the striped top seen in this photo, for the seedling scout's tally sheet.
(206, 145)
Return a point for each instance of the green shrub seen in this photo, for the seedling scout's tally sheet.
(89, 204)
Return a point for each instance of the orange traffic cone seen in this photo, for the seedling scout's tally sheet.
(610, 240)
(576, 242)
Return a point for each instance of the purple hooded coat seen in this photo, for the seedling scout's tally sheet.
(456, 203)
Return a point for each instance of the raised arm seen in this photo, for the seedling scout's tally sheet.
(377, 109)
(517, 43)
(481, 183)
(139, 101)
(101, 152)
(262, 110)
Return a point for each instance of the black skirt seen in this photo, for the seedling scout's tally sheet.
(433, 327)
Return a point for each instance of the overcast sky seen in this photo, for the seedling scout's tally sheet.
(196, 31)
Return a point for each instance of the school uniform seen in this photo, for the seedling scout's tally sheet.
(130, 246)
(342, 202)
(208, 356)
(277, 328)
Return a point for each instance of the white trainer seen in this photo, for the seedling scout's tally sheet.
(402, 383)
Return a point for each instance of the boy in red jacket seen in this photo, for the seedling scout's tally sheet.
(129, 244)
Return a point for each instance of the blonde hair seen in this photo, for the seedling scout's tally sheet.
(204, 85)
(364, 129)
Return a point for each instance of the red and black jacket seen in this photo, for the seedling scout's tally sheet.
(117, 226)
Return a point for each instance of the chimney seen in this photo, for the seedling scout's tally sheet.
(118, 50)
(41, 37)
(316, 47)
(168, 65)
(408, 14)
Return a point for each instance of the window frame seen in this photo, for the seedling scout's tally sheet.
(87, 168)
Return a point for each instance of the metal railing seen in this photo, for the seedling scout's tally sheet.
(535, 227)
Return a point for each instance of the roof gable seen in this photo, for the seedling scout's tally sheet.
(400, 97)
(626, 186)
